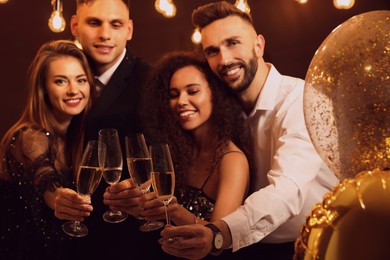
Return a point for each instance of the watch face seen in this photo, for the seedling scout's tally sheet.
(218, 241)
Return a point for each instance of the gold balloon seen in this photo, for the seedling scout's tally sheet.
(347, 96)
(347, 114)
(352, 222)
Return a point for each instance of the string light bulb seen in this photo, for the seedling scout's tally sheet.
(343, 4)
(165, 7)
(3, 1)
(301, 1)
(57, 22)
(243, 6)
(196, 36)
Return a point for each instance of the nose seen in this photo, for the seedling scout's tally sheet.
(72, 88)
(224, 56)
(105, 32)
(182, 100)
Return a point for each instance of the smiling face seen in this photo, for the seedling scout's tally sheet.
(67, 88)
(103, 28)
(190, 98)
(232, 49)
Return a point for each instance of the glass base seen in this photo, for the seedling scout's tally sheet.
(151, 226)
(114, 216)
(75, 229)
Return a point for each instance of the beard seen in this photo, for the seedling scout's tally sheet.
(250, 70)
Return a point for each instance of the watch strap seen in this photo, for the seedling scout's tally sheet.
(215, 230)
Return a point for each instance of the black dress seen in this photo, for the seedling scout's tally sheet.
(28, 228)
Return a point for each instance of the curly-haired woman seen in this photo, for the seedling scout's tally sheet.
(186, 106)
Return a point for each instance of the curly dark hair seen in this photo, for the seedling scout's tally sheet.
(160, 125)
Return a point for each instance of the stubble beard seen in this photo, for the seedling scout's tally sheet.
(250, 70)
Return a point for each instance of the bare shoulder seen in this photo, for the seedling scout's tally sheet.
(233, 157)
(232, 151)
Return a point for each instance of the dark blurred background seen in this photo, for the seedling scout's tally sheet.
(292, 31)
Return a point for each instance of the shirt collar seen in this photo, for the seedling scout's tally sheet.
(268, 95)
(106, 76)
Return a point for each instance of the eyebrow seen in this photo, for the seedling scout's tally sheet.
(114, 20)
(224, 42)
(65, 76)
(186, 86)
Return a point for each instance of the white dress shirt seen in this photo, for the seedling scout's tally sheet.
(106, 76)
(290, 176)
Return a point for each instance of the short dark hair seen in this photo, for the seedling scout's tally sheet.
(79, 2)
(208, 13)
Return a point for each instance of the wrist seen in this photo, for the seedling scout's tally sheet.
(217, 239)
(225, 230)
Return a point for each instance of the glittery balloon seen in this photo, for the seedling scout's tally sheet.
(347, 95)
(352, 222)
(347, 113)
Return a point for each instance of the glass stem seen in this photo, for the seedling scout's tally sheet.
(166, 213)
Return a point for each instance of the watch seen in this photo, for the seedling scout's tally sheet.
(218, 237)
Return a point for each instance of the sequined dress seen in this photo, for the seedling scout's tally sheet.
(196, 201)
(28, 227)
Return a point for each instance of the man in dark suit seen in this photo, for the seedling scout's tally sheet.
(103, 27)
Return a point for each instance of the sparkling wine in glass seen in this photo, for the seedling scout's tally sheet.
(139, 165)
(163, 175)
(88, 178)
(112, 170)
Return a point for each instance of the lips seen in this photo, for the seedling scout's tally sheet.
(231, 73)
(187, 114)
(103, 49)
(73, 102)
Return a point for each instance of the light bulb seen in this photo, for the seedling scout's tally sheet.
(301, 1)
(3, 1)
(243, 6)
(57, 22)
(165, 7)
(196, 36)
(343, 4)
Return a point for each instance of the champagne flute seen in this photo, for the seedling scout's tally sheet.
(163, 175)
(139, 164)
(88, 178)
(112, 170)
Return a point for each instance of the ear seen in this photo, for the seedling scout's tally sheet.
(74, 26)
(130, 30)
(259, 46)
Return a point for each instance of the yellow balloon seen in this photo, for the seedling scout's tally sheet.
(347, 95)
(352, 222)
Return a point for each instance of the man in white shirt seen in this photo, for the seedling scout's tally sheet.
(290, 176)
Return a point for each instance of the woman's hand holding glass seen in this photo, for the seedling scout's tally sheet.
(112, 168)
(139, 164)
(153, 209)
(68, 204)
(88, 178)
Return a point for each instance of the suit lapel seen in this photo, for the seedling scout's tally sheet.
(116, 85)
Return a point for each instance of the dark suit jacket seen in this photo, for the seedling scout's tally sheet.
(117, 105)
(116, 108)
